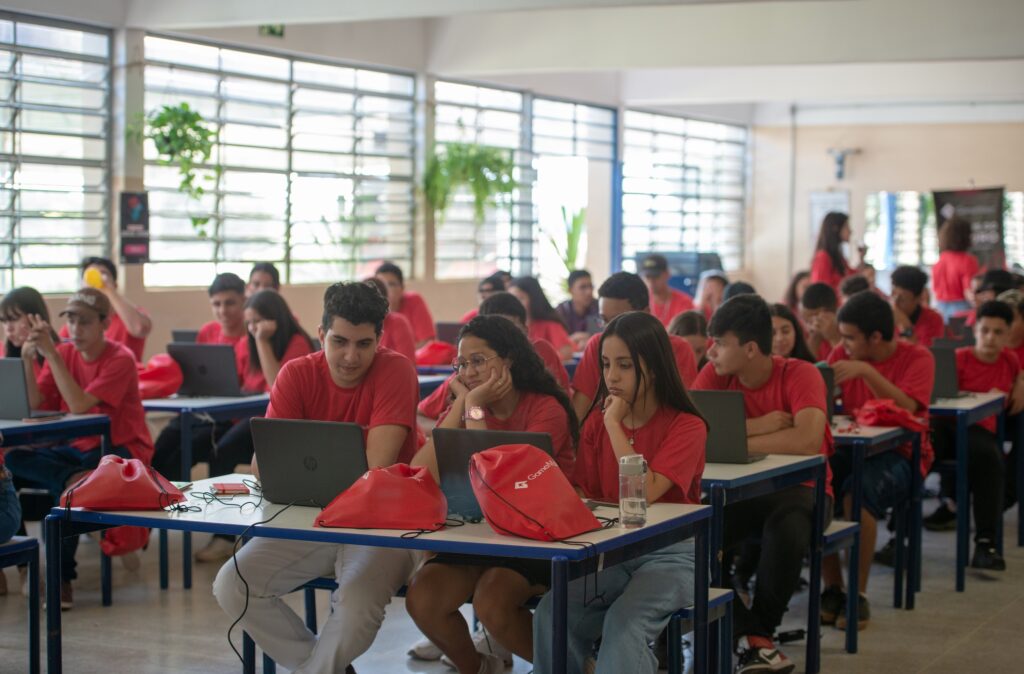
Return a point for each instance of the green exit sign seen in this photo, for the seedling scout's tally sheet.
(272, 30)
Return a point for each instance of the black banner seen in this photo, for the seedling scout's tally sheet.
(982, 208)
(134, 227)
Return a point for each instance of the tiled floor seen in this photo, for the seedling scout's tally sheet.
(184, 631)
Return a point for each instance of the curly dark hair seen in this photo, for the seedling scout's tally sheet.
(955, 235)
(529, 374)
(800, 348)
(648, 342)
(356, 303)
(270, 305)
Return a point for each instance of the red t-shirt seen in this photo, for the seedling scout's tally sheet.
(678, 302)
(213, 333)
(587, 379)
(823, 271)
(415, 309)
(952, 274)
(537, 413)
(253, 380)
(434, 404)
(671, 441)
(386, 396)
(114, 379)
(398, 336)
(1018, 351)
(977, 376)
(552, 332)
(118, 332)
(469, 315)
(824, 349)
(793, 386)
(912, 368)
(929, 327)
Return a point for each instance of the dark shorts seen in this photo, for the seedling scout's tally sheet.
(535, 571)
(885, 483)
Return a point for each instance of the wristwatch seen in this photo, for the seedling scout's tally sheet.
(474, 413)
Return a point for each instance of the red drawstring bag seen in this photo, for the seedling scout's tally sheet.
(396, 497)
(885, 412)
(436, 353)
(121, 484)
(122, 540)
(160, 377)
(522, 492)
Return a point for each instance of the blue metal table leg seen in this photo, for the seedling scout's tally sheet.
(717, 556)
(915, 523)
(560, 605)
(33, 613)
(675, 647)
(164, 580)
(248, 654)
(105, 579)
(814, 599)
(1000, 437)
(700, 600)
(900, 517)
(963, 501)
(186, 471)
(54, 530)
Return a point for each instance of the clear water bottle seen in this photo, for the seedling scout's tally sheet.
(632, 491)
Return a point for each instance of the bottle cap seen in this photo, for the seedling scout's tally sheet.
(632, 465)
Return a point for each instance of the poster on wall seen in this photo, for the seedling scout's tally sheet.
(134, 227)
(823, 203)
(983, 208)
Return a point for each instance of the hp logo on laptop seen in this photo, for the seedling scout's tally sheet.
(310, 463)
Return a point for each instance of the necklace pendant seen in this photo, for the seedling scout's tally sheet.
(631, 442)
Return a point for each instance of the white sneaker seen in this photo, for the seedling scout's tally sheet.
(486, 645)
(217, 550)
(491, 664)
(425, 650)
(131, 561)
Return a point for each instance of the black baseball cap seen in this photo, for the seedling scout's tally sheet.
(998, 280)
(654, 265)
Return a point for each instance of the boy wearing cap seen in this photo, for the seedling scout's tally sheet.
(128, 324)
(666, 302)
(86, 375)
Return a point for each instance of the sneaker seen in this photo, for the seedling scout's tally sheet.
(761, 656)
(217, 550)
(589, 666)
(987, 557)
(67, 597)
(833, 602)
(887, 555)
(131, 561)
(863, 614)
(486, 645)
(943, 519)
(425, 649)
(491, 664)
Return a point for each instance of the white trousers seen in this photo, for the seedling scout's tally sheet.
(367, 580)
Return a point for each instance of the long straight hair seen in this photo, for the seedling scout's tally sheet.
(22, 302)
(829, 241)
(271, 306)
(648, 343)
(800, 348)
(540, 307)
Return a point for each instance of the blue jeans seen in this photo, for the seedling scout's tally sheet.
(10, 509)
(950, 309)
(635, 601)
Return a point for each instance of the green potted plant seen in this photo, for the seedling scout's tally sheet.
(568, 249)
(486, 171)
(182, 139)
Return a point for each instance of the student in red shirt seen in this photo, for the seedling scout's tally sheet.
(505, 305)
(86, 375)
(665, 302)
(495, 283)
(872, 363)
(786, 409)
(986, 366)
(263, 276)
(952, 274)
(852, 285)
(915, 322)
(788, 335)
(828, 265)
(620, 293)
(398, 333)
(15, 309)
(544, 322)
(818, 310)
(642, 408)
(227, 300)
(406, 302)
(797, 285)
(988, 286)
(693, 327)
(502, 384)
(350, 380)
(129, 325)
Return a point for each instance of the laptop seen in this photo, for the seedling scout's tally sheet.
(14, 404)
(448, 331)
(453, 448)
(829, 375)
(727, 418)
(947, 384)
(185, 336)
(208, 369)
(307, 463)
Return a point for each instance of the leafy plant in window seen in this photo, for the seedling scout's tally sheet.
(183, 139)
(568, 248)
(486, 171)
(346, 234)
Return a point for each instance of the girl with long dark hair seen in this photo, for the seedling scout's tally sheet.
(502, 384)
(543, 321)
(274, 338)
(15, 308)
(829, 265)
(641, 408)
(797, 285)
(788, 334)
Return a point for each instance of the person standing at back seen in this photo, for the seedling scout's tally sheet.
(665, 301)
(952, 274)
(829, 264)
